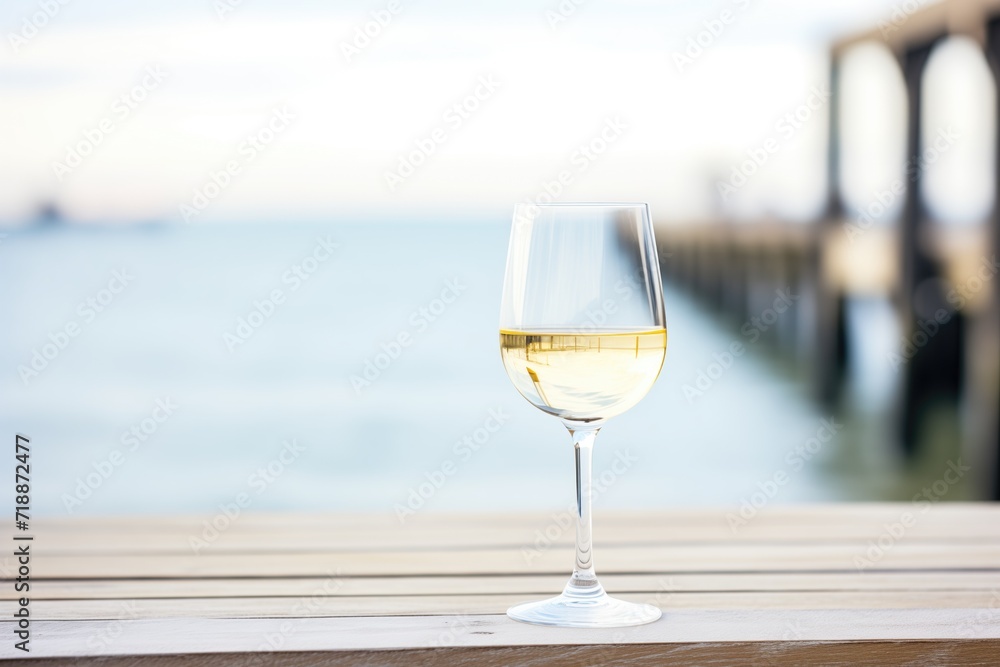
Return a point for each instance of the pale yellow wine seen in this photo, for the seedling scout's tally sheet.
(583, 376)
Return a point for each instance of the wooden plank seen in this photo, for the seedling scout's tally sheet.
(931, 21)
(680, 520)
(427, 605)
(720, 558)
(770, 628)
(289, 541)
(663, 584)
(253, 533)
(806, 516)
(776, 654)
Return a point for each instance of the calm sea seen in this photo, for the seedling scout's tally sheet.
(174, 396)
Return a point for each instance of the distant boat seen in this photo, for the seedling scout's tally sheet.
(48, 215)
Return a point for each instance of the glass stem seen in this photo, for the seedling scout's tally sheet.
(583, 583)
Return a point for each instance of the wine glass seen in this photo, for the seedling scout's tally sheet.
(583, 337)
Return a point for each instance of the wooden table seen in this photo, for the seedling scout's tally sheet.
(795, 586)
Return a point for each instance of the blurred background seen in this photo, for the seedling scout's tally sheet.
(251, 252)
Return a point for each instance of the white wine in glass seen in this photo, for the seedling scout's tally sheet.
(583, 337)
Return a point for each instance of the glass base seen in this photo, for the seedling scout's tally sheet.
(591, 611)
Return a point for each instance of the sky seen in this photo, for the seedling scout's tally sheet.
(202, 110)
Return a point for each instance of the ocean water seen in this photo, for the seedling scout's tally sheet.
(279, 414)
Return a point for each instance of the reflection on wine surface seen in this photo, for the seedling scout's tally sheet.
(583, 376)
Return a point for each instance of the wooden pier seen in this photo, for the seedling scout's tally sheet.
(919, 265)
